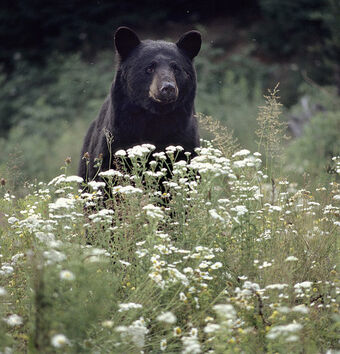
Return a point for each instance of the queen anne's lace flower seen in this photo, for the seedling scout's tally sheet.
(167, 317)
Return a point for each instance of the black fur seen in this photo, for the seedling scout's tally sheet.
(131, 115)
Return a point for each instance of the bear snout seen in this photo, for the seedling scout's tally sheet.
(163, 89)
(168, 92)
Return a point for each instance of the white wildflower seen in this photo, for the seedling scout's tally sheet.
(59, 340)
(301, 309)
(107, 324)
(180, 164)
(159, 155)
(204, 264)
(12, 220)
(283, 309)
(304, 285)
(74, 179)
(177, 331)
(225, 310)
(291, 259)
(276, 286)
(150, 147)
(179, 276)
(240, 210)
(157, 278)
(66, 275)
(163, 344)
(120, 153)
(292, 338)
(103, 215)
(126, 190)
(6, 269)
(277, 331)
(46, 237)
(54, 256)
(182, 296)
(136, 332)
(62, 203)
(211, 327)
(191, 345)
(96, 185)
(240, 164)
(153, 211)
(16, 257)
(216, 265)
(274, 208)
(214, 215)
(265, 265)
(128, 306)
(170, 149)
(193, 332)
(13, 320)
(188, 270)
(98, 252)
(125, 263)
(167, 317)
(57, 180)
(223, 201)
(243, 152)
(110, 173)
(140, 150)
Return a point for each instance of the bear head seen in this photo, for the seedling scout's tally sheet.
(157, 76)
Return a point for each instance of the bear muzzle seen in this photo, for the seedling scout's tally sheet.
(168, 92)
(163, 91)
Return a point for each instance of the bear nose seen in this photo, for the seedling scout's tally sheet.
(168, 91)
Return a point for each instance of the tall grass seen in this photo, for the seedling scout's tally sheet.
(271, 129)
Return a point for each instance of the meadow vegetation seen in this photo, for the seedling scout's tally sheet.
(231, 256)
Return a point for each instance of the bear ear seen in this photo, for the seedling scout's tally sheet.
(190, 43)
(125, 41)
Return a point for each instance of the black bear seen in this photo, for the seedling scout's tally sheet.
(151, 100)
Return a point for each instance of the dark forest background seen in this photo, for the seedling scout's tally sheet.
(57, 62)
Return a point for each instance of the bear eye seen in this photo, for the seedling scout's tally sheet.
(150, 69)
(175, 67)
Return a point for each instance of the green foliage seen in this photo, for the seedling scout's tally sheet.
(56, 92)
(62, 305)
(227, 264)
(230, 90)
(312, 152)
(290, 25)
(305, 31)
(48, 110)
(330, 51)
(320, 141)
